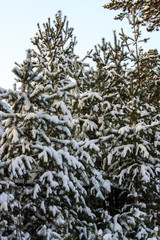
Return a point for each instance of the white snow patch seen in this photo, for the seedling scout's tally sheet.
(107, 236)
(124, 130)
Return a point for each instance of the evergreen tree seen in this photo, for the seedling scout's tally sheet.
(72, 127)
(148, 11)
(47, 177)
(130, 136)
(59, 63)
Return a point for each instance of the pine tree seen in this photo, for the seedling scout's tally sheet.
(55, 45)
(111, 84)
(47, 177)
(148, 11)
(130, 133)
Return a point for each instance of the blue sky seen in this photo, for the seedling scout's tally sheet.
(18, 23)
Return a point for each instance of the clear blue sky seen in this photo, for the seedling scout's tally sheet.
(18, 23)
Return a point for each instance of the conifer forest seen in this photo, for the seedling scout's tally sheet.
(80, 142)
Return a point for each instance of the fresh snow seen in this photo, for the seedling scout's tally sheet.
(107, 236)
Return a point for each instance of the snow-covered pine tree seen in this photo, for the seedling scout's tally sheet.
(47, 177)
(4, 108)
(16, 153)
(110, 83)
(68, 76)
(56, 45)
(103, 94)
(133, 143)
(101, 99)
(148, 11)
